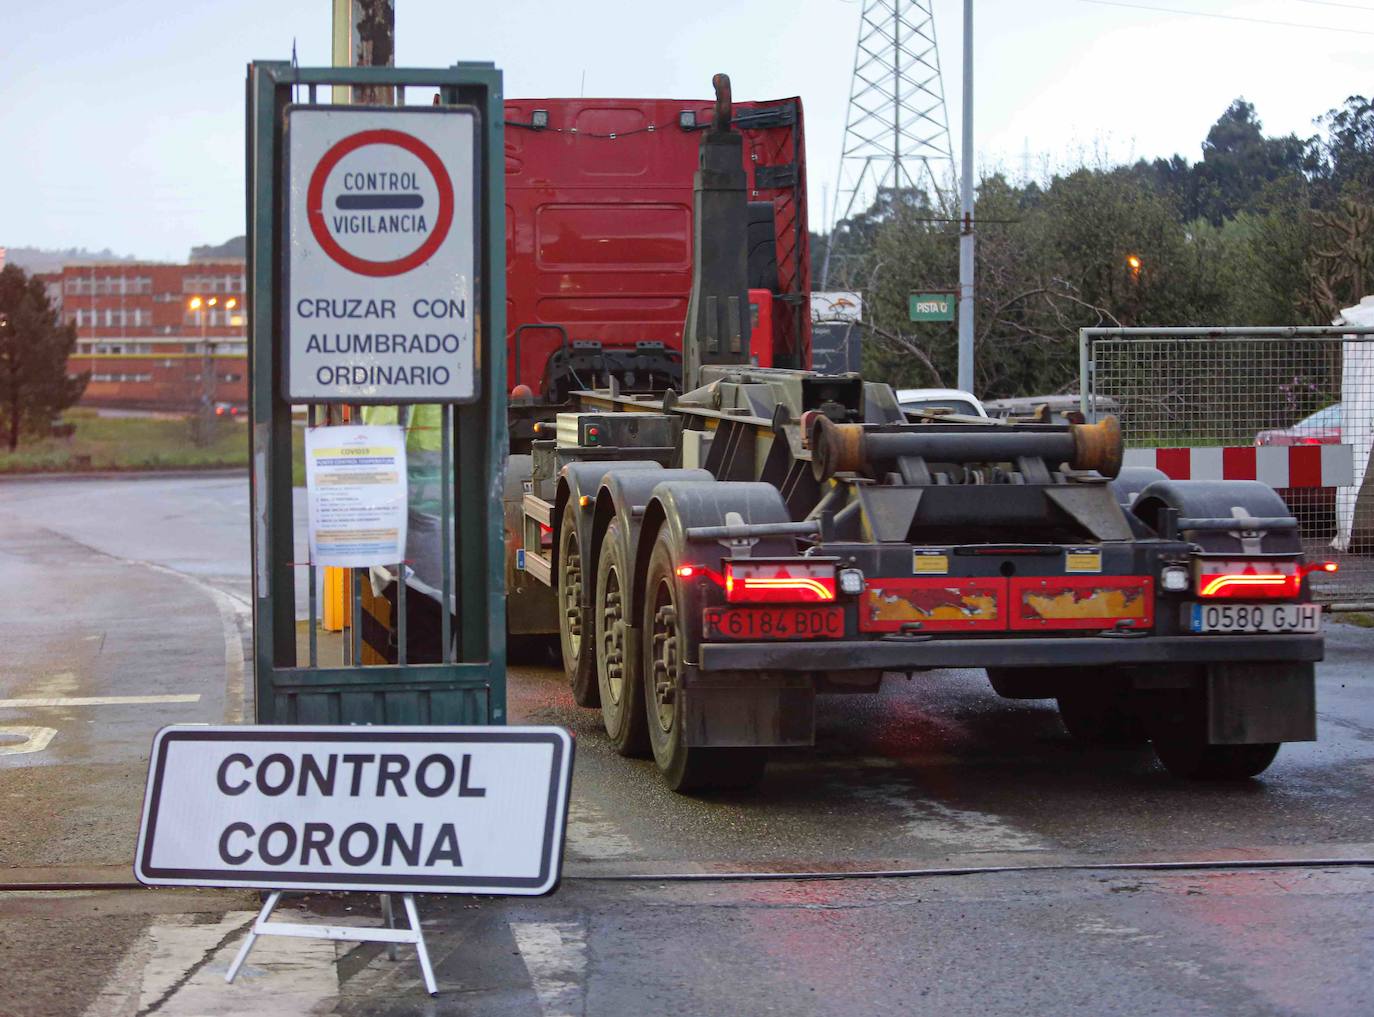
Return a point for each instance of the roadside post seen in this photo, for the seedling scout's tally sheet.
(391, 810)
(376, 263)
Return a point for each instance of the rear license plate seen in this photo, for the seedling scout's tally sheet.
(774, 622)
(1256, 617)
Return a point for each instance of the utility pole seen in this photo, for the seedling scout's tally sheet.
(966, 215)
(364, 35)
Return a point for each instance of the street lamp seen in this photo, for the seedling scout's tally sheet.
(202, 305)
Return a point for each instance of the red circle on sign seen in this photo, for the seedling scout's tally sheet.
(314, 202)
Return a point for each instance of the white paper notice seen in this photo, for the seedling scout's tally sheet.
(355, 482)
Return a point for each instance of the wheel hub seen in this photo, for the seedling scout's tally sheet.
(665, 676)
(613, 637)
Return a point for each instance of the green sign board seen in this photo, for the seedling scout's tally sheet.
(931, 306)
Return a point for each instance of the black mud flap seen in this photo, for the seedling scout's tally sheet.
(1253, 703)
(773, 714)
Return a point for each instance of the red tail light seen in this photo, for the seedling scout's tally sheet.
(1248, 580)
(760, 582)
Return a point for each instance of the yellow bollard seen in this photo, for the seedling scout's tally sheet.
(337, 605)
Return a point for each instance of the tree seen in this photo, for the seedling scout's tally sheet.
(34, 347)
(1343, 162)
(1238, 162)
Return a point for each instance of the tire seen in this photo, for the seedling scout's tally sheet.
(1101, 714)
(683, 768)
(619, 674)
(1177, 723)
(579, 654)
(1025, 682)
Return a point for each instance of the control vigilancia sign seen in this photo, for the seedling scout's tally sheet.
(381, 224)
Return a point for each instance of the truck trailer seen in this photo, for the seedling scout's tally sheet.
(717, 557)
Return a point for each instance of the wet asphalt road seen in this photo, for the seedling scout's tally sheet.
(136, 588)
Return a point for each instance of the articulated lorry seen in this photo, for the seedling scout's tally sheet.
(716, 554)
(721, 557)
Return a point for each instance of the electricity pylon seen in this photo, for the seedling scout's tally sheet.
(896, 133)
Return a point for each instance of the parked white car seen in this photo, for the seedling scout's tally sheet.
(953, 400)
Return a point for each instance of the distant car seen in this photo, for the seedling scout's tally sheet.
(1314, 507)
(1063, 409)
(232, 410)
(1320, 428)
(951, 400)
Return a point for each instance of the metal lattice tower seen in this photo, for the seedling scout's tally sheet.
(896, 132)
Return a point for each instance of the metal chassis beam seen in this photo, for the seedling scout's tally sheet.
(911, 654)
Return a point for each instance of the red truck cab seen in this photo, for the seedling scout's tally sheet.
(599, 243)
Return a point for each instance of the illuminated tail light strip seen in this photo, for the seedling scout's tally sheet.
(1255, 580)
(1258, 584)
(766, 582)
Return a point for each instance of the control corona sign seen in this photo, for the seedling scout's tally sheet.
(381, 226)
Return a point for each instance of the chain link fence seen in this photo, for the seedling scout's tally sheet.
(1292, 407)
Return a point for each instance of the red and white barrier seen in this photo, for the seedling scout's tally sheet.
(1279, 466)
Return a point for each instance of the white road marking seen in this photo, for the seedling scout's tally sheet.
(555, 955)
(65, 701)
(35, 739)
(592, 834)
(233, 612)
(968, 829)
(178, 967)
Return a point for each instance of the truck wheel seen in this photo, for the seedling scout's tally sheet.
(1177, 723)
(1101, 713)
(684, 768)
(618, 674)
(579, 655)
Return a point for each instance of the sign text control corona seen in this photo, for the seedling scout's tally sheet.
(381, 224)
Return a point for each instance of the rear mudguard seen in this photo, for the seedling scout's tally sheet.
(1213, 499)
(679, 506)
(574, 481)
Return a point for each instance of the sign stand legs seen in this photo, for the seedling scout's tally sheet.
(350, 933)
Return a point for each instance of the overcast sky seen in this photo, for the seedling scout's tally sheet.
(123, 119)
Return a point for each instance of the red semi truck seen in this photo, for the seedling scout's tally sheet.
(599, 253)
(600, 260)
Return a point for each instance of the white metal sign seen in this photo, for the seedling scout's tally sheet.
(837, 305)
(386, 809)
(381, 218)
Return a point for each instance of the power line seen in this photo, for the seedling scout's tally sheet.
(1333, 3)
(1227, 17)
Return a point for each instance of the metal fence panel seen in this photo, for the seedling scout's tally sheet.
(1289, 407)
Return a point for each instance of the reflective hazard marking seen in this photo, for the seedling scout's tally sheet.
(381, 236)
(1279, 466)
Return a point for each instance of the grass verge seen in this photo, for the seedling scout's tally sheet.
(133, 444)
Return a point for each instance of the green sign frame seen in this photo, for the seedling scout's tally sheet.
(468, 683)
(937, 306)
